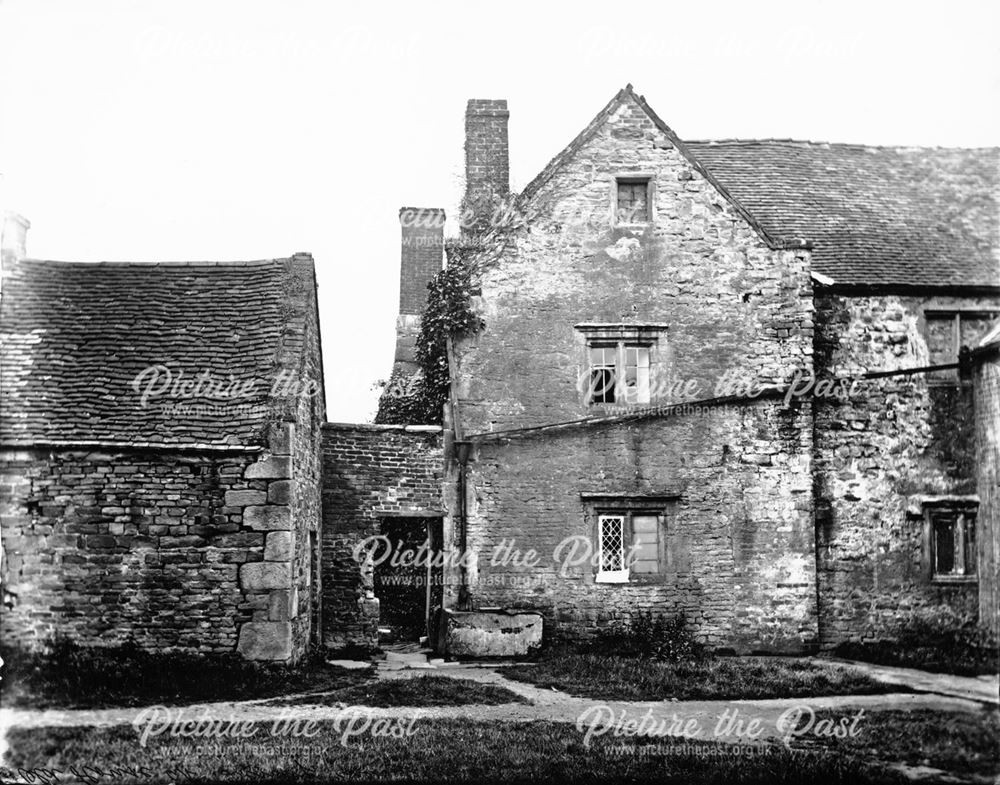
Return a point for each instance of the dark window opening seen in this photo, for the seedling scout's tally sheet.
(619, 373)
(633, 201)
(603, 364)
(947, 332)
(953, 543)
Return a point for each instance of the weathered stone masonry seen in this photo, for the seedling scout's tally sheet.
(178, 521)
(894, 443)
(784, 524)
(168, 550)
(986, 383)
(734, 480)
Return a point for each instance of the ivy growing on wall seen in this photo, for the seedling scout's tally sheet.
(489, 222)
(420, 398)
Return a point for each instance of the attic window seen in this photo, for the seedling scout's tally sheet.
(633, 200)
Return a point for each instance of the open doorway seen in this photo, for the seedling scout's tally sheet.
(409, 585)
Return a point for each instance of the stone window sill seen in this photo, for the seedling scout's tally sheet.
(642, 225)
(954, 579)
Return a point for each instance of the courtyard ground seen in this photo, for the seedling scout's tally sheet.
(943, 729)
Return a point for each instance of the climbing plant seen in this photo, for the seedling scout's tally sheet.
(489, 225)
(419, 398)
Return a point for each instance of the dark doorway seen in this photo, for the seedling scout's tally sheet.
(409, 583)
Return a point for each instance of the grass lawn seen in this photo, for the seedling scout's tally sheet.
(81, 678)
(963, 743)
(961, 661)
(607, 677)
(437, 751)
(73, 677)
(415, 691)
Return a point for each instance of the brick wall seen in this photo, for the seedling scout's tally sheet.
(740, 538)
(369, 471)
(421, 255)
(487, 167)
(895, 443)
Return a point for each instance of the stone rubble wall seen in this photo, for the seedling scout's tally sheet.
(895, 442)
(986, 383)
(740, 548)
(181, 549)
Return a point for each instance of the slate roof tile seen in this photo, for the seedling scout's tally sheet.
(876, 216)
(75, 336)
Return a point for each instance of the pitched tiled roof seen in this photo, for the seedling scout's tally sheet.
(75, 336)
(875, 215)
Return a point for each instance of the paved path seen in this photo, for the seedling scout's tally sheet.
(545, 704)
(664, 721)
(985, 689)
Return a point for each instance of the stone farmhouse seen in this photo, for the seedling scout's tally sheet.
(754, 381)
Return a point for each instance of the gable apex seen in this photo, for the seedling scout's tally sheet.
(623, 96)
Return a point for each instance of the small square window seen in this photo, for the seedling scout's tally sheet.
(632, 202)
(628, 545)
(619, 373)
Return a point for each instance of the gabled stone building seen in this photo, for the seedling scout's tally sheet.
(753, 381)
(714, 355)
(160, 455)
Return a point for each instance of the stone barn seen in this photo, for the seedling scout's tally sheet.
(160, 455)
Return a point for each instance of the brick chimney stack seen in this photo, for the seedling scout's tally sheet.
(487, 165)
(421, 258)
(13, 238)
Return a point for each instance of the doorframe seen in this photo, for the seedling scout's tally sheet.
(440, 515)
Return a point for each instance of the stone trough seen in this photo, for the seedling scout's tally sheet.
(487, 633)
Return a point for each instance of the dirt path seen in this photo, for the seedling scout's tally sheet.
(546, 704)
(716, 720)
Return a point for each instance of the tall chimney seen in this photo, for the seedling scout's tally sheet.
(421, 258)
(487, 165)
(13, 237)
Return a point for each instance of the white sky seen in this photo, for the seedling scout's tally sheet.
(245, 130)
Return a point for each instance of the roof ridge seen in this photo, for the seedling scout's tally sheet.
(813, 143)
(769, 239)
(173, 264)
